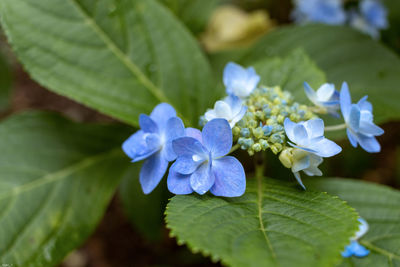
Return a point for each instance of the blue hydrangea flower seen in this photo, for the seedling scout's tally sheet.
(323, 11)
(240, 81)
(359, 121)
(154, 143)
(371, 19)
(355, 249)
(202, 165)
(309, 136)
(230, 108)
(374, 13)
(325, 97)
(311, 146)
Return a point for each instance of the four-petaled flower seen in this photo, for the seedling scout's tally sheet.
(309, 137)
(230, 108)
(202, 165)
(355, 249)
(240, 81)
(359, 121)
(326, 97)
(154, 143)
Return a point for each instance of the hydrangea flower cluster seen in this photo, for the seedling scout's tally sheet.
(369, 17)
(256, 118)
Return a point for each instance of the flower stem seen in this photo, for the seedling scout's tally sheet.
(234, 148)
(336, 127)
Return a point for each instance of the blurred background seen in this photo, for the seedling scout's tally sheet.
(219, 26)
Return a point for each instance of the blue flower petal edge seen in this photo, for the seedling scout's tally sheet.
(153, 143)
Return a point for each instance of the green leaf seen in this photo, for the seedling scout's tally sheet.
(273, 224)
(144, 211)
(194, 13)
(380, 206)
(344, 55)
(56, 179)
(290, 73)
(119, 57)
(5, 83)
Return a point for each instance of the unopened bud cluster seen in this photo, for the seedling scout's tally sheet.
(262, 125)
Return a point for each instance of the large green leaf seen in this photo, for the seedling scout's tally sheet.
(290, 73)
(380, 207)
(344, 55)
(56, 179)
(119, 57)
(273, 224)
(194, 13)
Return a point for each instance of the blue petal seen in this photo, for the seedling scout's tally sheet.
(301, 164)
(162, 113)
(195, 133)
(326, 148)
(368, 143)
(315, 128)
(362, 228)
(364, 104)
(369, 128)
(300, 134)
(298, 178)
(173, 130)
(152, 171)
(233, 72)
(188, 146)
(136, 146)
(302, 148)
(185, 164)
(355, 249)
(202, 179)
(345, 100)
(252, 78)
(352, 138)
(147, 124)
(217, 137)
(230, 178)
(289, 127)
(354, 117)
(178, 184)
(309, 92)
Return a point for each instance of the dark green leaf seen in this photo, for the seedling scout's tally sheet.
(56, 179)
(119, 57)
(380, 207)
(144, 211)
(194, 13)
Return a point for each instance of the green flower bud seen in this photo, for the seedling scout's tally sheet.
(257, 147)
(286, 157)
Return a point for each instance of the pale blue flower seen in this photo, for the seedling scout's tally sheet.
(310, 147)
(374, 13)
(323, 11)
(359, 121)
(202, 166)
(371, 19)
(326, 97)
(154, 143)
(240, 81)
(309, 136)
(355, 249)
(231, 108)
